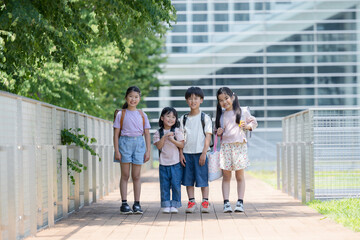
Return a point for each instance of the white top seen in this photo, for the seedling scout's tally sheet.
(169, 152)
(232, 132)
(194, 133)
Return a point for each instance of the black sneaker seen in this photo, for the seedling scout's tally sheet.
(125, 209)
(137, 209)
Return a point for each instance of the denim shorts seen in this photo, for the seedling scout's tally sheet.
(194, 173)
(132, 149)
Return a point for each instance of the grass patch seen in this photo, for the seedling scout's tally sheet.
(266, 176)
(344, 211)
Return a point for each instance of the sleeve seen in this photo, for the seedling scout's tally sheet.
(156, 137)
(117, 120)
(250, 120)
(179, 135)
(208, 124)
(147, 122)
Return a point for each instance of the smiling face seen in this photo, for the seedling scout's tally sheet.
(226, 101)
(194, 101)
(133, 99)
(169, 119)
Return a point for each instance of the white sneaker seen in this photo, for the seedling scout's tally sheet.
(239, 207)
(227, 208)
(166, 210)
(174, 210)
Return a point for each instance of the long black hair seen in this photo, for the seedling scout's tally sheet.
(128, 91)
(236, 105)
(168, 110)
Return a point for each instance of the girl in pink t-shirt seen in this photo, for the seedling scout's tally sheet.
(168, 140)
(231, 125)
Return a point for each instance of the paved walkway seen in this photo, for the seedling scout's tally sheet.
(270, 214)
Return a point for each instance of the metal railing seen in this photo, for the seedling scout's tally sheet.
(319, 157)
(35, 190)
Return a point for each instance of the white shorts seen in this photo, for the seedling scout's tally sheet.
(233, 156)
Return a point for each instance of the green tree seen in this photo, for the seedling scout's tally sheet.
(81, 54)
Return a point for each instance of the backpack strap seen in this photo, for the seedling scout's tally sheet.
(143, 118)
(123, 111)
(185, 118)
(203, 122)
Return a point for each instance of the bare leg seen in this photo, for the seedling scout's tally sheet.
(125, 173)
(190, 191)
(205, 192)
(240, 179)
(226, 184)
(135, 175)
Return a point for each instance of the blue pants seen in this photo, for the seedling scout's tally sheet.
(170, 178)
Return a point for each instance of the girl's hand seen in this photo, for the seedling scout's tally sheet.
(219, 131)
(242, 124)
(182, 160)
(118, 156)
(146, 156)
(169, 134)
(202, 159)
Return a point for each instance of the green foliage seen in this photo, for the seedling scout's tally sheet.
(73, 136)
(81, 54)
(344, 211)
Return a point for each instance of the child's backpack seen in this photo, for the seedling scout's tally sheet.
(161, 134)
(203, 126)
(123, 111)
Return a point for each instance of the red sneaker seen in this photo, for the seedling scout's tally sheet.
(205, 207)
(191, 207)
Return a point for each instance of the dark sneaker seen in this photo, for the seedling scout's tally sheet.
(239, 207)
(125, 209)
(137, 209)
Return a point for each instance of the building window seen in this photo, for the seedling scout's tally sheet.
(221, 28)
(221, 17)
(199, 17)
(180, 6)
(199, 7)
(221, 6)
(200, 39)
(241, 6)
(200, 28)
(242, 17)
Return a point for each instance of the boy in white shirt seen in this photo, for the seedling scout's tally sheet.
(197, 128)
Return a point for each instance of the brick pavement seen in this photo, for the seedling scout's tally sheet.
(270, 214)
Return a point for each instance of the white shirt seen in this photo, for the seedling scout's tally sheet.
(194, 133)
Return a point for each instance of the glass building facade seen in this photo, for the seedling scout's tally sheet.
(278, 56)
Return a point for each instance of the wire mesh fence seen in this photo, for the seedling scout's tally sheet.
(319, 157)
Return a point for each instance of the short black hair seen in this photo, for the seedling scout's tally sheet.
(194, 90)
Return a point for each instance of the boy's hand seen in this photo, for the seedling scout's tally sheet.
(146, 156)
(219, 131)
(118, 156)
(182, 160)
(202, 159)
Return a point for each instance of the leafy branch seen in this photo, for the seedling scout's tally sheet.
(73, 136)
